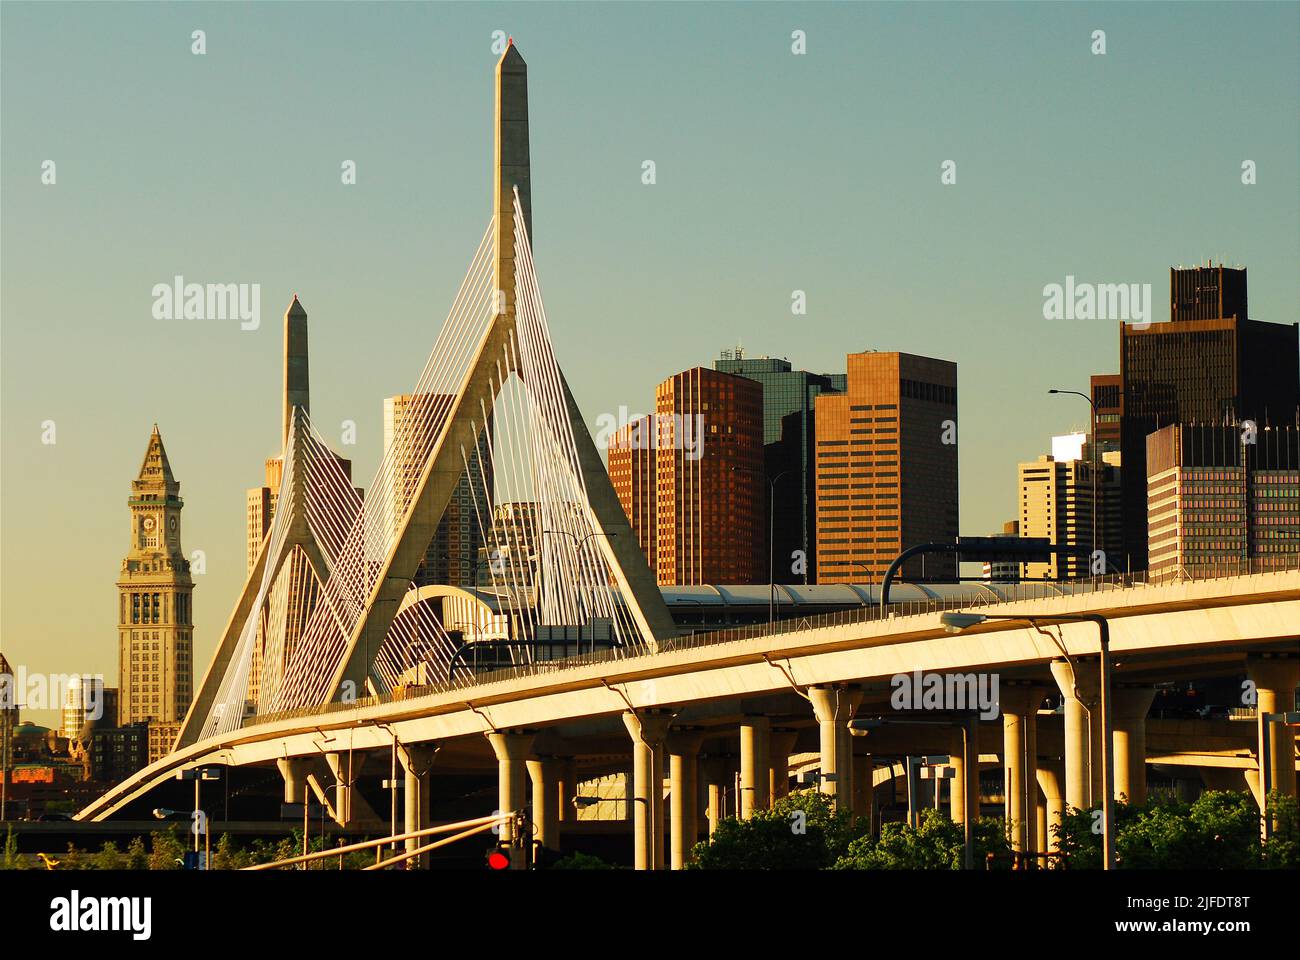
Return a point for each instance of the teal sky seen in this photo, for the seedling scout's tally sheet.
(775, 173)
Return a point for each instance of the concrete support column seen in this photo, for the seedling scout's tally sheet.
(1131, 707)
(417, 761)
(834, 707)
(780, 745)
(511, 749)
(648, 730)
(566, 789)
(755, 766)
(343, 765)
(1051, 782)
(294, 770)
(684, 815)
(1275, 681)
(1080, 693)
(1019, 705)
(544, 774)
(957, 788)
(716, 771)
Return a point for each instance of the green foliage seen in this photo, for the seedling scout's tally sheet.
(581, 861)
(802, 831)
(1282, 849)
(109, 857)
(166, 849)
(13, 860)
(227, 855)
(72, 859)
(1221, 829)
(137, 858)
(937, 844)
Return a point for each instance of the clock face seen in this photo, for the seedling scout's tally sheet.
(148, 523)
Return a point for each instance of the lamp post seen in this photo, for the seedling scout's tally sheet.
(771, 535)
(955, 622)
(1092, 442)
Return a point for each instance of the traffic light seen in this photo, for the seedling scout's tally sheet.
(498, 857)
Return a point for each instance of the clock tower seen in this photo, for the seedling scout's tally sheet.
(154, 618)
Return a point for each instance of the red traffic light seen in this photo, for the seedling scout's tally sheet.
(497, 860)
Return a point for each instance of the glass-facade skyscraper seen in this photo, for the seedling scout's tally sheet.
(789, 435)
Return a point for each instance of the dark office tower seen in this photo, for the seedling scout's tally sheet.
(887, 468)
(1107, 409)
(789, 454)
(1221, 370)
(711, 498)
(1207, 293)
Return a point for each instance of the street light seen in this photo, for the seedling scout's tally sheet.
(1092, 440)
(956, 621)
(771, 535)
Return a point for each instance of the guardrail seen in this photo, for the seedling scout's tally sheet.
(998, 593)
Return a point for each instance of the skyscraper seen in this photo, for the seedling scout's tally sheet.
(155, 619)
(710, 495)
(789, 454)
(886, 467)
(1056, 503)
(632, 472)
(1217, 500)
(1199, 369)
(1107, 408)
(453, 554)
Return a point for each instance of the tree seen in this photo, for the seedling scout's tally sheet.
(166, 850)
(109, 857)
(1219, 830)
(802, 831)
(1282, 849)
(227, 855)
(937, 844)
(137, 858)
(13, 860)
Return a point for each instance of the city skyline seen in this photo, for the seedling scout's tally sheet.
(173, 371)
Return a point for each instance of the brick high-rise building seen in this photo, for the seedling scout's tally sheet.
(1199, 369)
(155, 622)
(711, 515)
(632, 472)
(789, 454)
(886, 468)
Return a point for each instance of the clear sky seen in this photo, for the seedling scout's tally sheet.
(775, 172)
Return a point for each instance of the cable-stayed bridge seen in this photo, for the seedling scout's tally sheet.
(332, 652)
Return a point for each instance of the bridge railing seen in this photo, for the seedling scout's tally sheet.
(998, 592)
